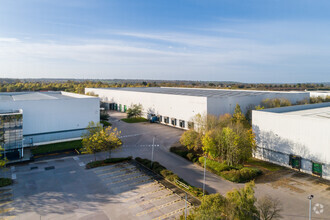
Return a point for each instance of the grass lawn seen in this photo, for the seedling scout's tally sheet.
(134, 120)
(264, 164)
(51, 148)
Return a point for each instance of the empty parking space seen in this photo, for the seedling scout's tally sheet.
(143, 196)
(62, 189)
(6, 207)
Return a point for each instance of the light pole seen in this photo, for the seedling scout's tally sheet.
(152, 151)
(310, 206)
(185, 213)
(204, 174)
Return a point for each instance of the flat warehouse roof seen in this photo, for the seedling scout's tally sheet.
(197, 92)
(50, 95)
(321, 110)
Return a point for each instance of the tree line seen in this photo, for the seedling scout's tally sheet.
(77, 86)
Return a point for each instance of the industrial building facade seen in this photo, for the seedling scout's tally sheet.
(178, 106)
(35, 118)
(297, 137)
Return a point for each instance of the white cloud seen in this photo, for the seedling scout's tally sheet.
(173, 55)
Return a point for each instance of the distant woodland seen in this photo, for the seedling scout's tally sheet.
(77, 85)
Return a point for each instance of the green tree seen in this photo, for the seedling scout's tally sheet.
(98, 139)
(191, 139)
(134, 111)
(109, 139)
(213, 207)
(4, 160)
(238, 204)
(238, 116)
(90, 139)
(242, 203)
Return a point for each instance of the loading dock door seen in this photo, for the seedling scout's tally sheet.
(317, 169)
(295, 162)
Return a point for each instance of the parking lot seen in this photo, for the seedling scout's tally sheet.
(64, 189)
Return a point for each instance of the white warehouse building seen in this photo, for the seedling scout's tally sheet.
(35, 118)
(295, 136)
(178, 106)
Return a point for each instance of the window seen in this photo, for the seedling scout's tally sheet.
(160, 118)
(182, 124)
(166, 120)
(173, 121)
(317, 169)
(295, 161)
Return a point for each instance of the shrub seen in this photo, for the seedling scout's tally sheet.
(5, 182)
(190, 156)
(241, 176)
(105, 123)
(170, 176)
(106, 162)
(214, 166)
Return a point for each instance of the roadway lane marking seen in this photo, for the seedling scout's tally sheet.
(130, 135)
(5, 203)
(6, 210)
(81, 164)
(76, 158)
(12, 168)
(13, 176)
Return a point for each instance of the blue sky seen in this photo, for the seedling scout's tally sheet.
(246, 40)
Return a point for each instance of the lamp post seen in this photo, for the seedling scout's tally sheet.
(310, 206)
(204, 175)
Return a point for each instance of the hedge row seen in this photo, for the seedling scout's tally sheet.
(243, 175)
(185, 154)
(170, 176)
(5, 182)
(238, 174)
(106, 162)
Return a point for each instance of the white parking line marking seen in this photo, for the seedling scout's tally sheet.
(13, 176)
(130, 135)
(75, 158)
(81, 164)
(12, 169)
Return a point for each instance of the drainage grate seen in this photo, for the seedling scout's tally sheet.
(49, 168)
(33, 168)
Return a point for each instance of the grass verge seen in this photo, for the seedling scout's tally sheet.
(172, 177)
(264, 164)
(56, 147)
(134, 120)
(100, 163)
(5, 182)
